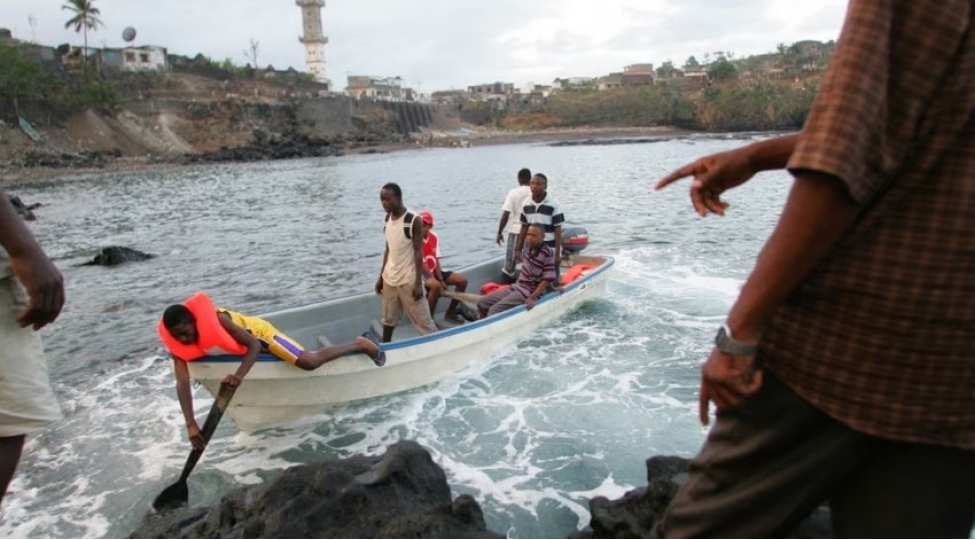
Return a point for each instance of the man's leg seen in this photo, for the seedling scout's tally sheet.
(459, 281)
(392, 312)
(511, 299)
(418, 311)
(908, 491)
(488, 300)
(10, 449)
(765, 466)
(27, 402)
(433, 293)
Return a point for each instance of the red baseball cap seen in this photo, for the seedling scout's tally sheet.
(426, 217)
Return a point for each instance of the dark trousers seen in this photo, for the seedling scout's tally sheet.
(768, 464)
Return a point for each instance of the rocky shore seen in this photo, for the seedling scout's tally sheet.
(43, 164)
(404, 494)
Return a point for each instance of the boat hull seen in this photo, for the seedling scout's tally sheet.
(275, 392)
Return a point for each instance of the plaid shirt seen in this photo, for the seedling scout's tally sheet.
(880, 335)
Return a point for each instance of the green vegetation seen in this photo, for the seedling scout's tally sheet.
(729, 106)
(24, 82)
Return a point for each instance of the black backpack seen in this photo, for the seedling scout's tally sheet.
(407, 224)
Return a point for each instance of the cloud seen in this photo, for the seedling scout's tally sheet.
(439, 44)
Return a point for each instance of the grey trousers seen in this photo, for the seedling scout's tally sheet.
(499, 301)
(768, 464)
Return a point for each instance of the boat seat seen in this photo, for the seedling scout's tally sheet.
(323, 341)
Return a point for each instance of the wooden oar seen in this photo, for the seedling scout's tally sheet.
(178, 494)
(463, 296)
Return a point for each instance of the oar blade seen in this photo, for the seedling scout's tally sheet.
(173, 497)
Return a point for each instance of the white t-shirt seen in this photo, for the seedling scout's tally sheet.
(513, 204)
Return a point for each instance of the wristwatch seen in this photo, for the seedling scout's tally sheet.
(726, 343)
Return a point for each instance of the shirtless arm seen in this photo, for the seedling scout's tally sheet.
(418, 259)
(246, 339)
(185, 395)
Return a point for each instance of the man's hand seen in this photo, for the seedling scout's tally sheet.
(727, 381)
(529, 302)
(196, 437)
(232, 380)
(713, 175)
(379, 285)
(500, 239)
(45, 288)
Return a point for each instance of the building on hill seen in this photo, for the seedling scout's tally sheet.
(448, 97)
(495, 89)
(574, 83)
(144, 58)
(608, 82)
(378, 88)
(313, 37)
(638, 75)
(42, 54)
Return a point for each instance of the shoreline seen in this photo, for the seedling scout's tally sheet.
(14, 175)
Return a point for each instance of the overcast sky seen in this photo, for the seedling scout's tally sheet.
(443, 44)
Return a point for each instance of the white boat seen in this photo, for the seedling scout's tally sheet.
(276, 392)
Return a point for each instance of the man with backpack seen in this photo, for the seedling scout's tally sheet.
(400, 281)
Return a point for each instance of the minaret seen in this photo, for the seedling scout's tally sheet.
(314, 41)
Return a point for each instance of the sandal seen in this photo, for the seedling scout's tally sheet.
(454, 318)
(380, 358)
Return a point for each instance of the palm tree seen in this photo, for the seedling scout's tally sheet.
(85, 18)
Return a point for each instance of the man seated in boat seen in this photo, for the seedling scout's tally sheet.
(436, 278)
(536, 277)
(196, 329)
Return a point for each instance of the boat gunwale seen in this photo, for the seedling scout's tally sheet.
(608, 262)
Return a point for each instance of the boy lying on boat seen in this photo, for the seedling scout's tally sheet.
(196, 329)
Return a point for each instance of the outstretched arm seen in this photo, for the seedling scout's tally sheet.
(185, 395)
(43, 281)
(816, 214)
(418, 259)
(246, 339)
(717, 173)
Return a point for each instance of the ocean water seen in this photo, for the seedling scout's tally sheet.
(532, 432)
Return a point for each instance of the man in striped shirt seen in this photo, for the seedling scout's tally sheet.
(544, 210)
(537, 275)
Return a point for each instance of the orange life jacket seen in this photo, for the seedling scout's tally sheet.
(212, 339)
(574, 273)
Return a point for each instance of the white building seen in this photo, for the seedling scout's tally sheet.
(313, 37)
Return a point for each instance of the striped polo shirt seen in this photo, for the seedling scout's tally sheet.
(535, 269)
(547, 213)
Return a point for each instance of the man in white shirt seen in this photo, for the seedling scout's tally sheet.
(511, 210)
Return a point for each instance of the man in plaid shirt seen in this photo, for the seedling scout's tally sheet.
(845, 370)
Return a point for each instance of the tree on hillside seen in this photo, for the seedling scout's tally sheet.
(691, 62)
(85, 18)
(251, 52)
(722, 70)
(666, 69)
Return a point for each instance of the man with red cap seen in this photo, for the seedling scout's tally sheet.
(435, 278)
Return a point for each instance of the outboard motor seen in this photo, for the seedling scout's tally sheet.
(574, 240)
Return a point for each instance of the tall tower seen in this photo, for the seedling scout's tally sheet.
(312, 38)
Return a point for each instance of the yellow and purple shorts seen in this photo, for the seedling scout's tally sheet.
(272, 340)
